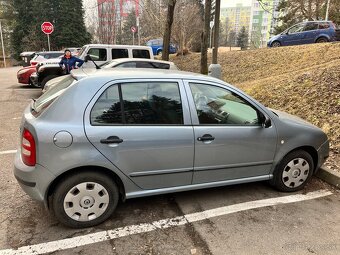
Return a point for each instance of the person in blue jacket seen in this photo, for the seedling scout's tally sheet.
(69, 62)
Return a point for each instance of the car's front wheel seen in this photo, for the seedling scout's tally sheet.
(276, 44)
(85, 199)
(294, 171)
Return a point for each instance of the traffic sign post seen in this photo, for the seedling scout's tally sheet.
(47, 29)
(133, 30)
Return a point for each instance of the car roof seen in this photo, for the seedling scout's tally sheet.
(123, 60)
(141, 73)
(117, 46)
(49, 52)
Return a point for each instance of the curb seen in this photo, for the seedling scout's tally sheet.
(330, 176)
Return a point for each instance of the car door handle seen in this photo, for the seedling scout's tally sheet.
(205, 138)
(111, 139)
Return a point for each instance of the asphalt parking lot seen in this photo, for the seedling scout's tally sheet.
(241, 219)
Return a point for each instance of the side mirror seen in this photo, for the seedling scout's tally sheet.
(87, 58)
(267, 122)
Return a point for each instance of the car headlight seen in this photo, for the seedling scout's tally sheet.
(22, 71)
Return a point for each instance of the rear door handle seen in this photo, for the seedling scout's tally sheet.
(205, 138)
(111, 139)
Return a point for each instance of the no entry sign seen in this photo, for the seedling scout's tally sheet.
(133, 29)
(47, 28)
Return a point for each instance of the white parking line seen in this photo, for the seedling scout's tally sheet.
(79, 241)
(8, 152)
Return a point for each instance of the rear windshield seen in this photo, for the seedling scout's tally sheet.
(46, 99)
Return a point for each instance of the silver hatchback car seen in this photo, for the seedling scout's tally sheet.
(120, 134)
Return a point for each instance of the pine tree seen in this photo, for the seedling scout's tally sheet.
(242, 39)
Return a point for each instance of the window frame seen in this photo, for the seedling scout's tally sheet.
(193, 111)
(182, 93)
(99, 48)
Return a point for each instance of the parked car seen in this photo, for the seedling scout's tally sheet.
(42, 56)
(137, 133)
(157, 46)
(304, 33)
(24, 75)
(99, 53)
(117, 63)
(26, 57)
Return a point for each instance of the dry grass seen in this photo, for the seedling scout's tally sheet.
(301, 80)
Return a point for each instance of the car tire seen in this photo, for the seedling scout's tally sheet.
(276, 44)
(46, 79)
(293, 172)
(322, 40)
(85, 199)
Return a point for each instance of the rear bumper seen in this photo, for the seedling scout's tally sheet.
(23, 78)
(34, 180)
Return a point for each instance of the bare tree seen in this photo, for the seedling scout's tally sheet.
(205, 37)
(167, 32)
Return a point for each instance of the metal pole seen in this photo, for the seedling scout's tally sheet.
(48, 41)
(133, 38)
(216, 30)
(327, 10)
(2, 44)
(138, 29)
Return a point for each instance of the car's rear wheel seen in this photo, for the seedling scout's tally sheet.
(85, 199)
(322, 40)
(294, 171)
(276, 44)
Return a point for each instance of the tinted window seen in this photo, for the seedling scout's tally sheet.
(120, 53)
(324, 25)
(127, 65)
(141, 54)
(152, 103)
(98, 54)
(215, 105)
(153, 65)
(107, 109)
(311, 26)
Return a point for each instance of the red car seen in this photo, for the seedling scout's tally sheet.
(24, 74)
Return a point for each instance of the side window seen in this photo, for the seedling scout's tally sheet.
(144, 65)
(311, 26)
(141, 54)
(127, 65)
(120, 53)
(98, 54)
(296, 29)
(324, 25)
(215, 105)
(152, 103)
(107, 109)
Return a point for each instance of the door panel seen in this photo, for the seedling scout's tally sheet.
(230, 142)
(157, 147)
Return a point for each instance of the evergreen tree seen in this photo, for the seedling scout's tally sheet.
(66, 16)
(242, 39)
(126, 36)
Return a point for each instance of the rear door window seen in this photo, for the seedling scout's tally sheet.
(119, 53)
(98, 54)
(311, 26)
(324, 25)
(140, 54)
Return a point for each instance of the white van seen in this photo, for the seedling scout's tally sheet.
(101, 53)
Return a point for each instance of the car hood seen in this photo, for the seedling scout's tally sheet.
(292, 118)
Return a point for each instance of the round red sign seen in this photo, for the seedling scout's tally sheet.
(133, 29)
(47, 28)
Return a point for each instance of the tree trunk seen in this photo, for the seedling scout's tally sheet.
(167, 32)
(205, 36)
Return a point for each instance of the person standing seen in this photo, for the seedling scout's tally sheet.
(69, 62)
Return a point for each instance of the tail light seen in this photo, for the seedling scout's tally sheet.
(33, 63)
(28, 148)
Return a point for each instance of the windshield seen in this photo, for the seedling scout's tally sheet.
(46, 99)
(81, 51)
(106, 63)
